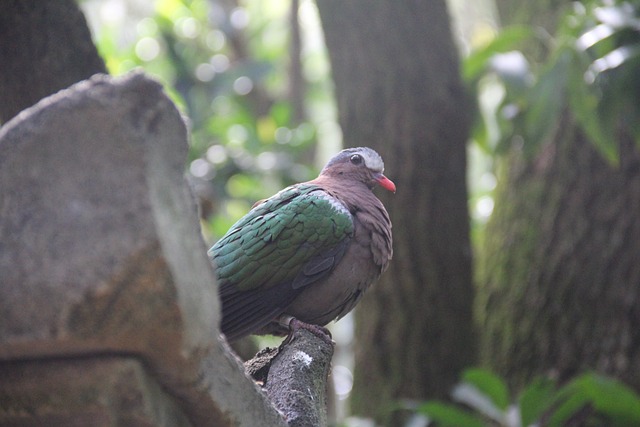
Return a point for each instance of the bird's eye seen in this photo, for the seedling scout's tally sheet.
(356, 159)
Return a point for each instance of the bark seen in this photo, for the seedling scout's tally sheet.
(559, 292)
(45, 46)
(296, 77)
(395, 69)
(558, 287)
(295, 377)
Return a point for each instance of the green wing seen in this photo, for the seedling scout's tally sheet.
(282, 245)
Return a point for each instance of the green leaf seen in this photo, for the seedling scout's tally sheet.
(618, 16)
(508, 39)
(614, 59)
(447, 415)
(470, 396)
(603, 140)
(547, 100)
(514, 72)
(584, 103)
(480, 134)
(608, 396)
(489, 384)
(536, 399)
(566, 409)
(593, 36)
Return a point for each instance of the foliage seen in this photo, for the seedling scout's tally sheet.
(482, 400)
(589, 76)
(226, 66)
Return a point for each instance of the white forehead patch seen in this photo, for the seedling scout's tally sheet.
(372, 159)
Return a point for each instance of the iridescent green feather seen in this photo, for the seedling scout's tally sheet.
(277, 239)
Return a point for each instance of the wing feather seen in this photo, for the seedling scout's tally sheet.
(283, 244)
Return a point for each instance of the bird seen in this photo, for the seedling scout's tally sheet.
(309, 252)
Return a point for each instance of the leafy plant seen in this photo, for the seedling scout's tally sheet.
(589, 77)
(482, 400)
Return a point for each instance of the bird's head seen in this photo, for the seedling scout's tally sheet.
(361, 164)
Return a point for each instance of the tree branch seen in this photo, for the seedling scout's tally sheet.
(294, 376)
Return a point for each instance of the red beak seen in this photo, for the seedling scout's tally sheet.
(386, 183)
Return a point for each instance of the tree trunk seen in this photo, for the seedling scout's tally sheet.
(560, 284)
(398, 90)
(45, 46)
(558, 288)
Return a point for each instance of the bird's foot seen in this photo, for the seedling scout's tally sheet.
(294, 324)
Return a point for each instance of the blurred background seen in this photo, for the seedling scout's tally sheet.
(511, 130)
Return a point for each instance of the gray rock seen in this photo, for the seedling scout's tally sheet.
(100, 247)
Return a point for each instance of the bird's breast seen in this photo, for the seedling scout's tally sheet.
(335, 295)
